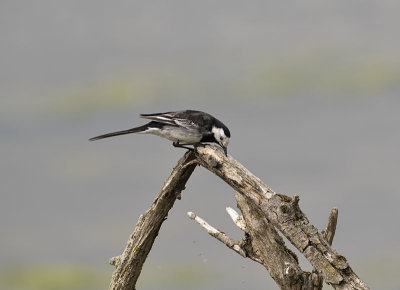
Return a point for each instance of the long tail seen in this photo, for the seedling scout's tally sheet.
(129, 131)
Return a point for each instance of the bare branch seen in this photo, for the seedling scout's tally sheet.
(284, 213)
(130, 263)
(328, 235)
(267, 247)
(220, 236)
(264, 212)
(236, 218)
(330, 230)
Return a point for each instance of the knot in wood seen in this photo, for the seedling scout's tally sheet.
(214, 163)
(340, 262)
(284, 208)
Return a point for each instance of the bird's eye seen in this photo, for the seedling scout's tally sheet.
(220, 138)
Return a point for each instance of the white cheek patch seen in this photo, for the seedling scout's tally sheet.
(218, 133)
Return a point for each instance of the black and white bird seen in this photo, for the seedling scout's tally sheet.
(187, 127)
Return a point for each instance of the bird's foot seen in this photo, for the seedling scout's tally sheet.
(178, 145)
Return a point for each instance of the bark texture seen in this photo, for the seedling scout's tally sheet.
(264, 245)
(264, 214)
(130, 263)
(284, 213)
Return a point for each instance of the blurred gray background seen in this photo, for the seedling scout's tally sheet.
(309, 90)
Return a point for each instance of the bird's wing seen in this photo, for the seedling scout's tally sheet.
(166, 118)
(186, 123)
(172, 118)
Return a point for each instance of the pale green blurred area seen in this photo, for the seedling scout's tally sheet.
(52, 277)
(313, 73)
(42, 277)
(310, 92)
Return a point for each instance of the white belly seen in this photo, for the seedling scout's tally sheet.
(177, 134)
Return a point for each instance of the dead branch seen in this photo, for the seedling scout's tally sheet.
(330, 230)
(284, 213)
(130, 263)
(220, 236)
(264, 212)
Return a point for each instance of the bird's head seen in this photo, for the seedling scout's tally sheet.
(221, 135)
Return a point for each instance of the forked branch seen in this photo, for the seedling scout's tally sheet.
(284, 213)
(264, 212)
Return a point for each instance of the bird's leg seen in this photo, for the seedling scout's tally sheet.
(195, 145)
(177, 144)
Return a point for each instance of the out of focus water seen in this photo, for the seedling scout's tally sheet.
(66, 199)
(310, 93)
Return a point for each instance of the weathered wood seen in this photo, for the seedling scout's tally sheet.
(284, 213)
(220, 236)
(130, 263)
(266, 246)
(264, 212)
(330, 230)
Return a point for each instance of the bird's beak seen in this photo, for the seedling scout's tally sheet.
(225, 148)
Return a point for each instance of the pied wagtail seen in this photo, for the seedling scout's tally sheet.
(182, 128)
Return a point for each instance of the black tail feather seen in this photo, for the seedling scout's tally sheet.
(129, 131)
